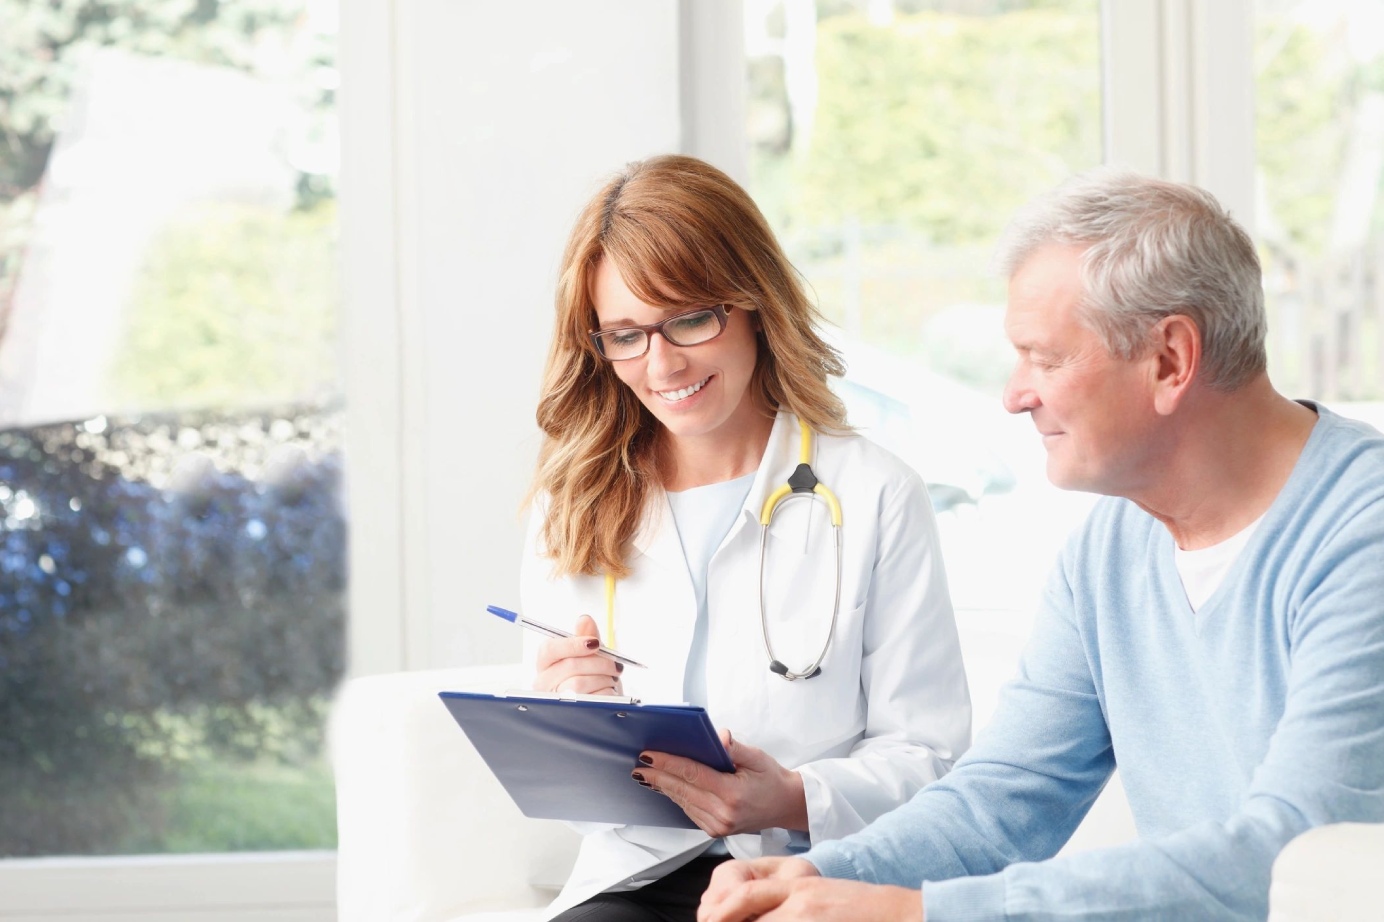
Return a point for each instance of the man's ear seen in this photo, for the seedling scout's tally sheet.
(1175, 344)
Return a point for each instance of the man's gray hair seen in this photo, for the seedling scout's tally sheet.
(1154, 248)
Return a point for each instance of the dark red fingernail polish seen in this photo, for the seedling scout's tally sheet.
(638, 777)
(593, 644)
(645, 760)
(645, 784)
(619, 667)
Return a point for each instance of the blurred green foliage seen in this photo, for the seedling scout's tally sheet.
(261, 804)
(258, 806)
(1309, 92)
(942, 123)
(1298, 115)
(931, 129)
(928, 132)
(235, 304)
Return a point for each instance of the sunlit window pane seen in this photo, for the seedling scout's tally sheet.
(1319, 119)
(172, 530)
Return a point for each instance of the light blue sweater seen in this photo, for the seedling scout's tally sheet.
(1235, 728)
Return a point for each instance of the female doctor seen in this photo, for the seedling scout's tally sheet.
(685, 385)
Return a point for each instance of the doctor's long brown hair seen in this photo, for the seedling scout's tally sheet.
(683, 235)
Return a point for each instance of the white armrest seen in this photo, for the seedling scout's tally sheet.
(1329, 874)
(425, 833)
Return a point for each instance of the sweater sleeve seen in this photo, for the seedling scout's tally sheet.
(978, 837)
(1021, 790)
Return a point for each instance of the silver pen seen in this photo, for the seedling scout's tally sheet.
(550, 631)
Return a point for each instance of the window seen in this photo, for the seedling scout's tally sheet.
(172, 534)
(1319, 83)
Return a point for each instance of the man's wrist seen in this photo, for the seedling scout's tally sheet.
(794, 815)
(831, 860)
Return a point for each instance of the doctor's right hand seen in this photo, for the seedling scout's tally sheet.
(571, 664)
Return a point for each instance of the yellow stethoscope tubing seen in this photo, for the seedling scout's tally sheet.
(821, 489)
(779, 494)
(610, 610)
(802, 483)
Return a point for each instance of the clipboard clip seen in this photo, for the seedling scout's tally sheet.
(569, 696)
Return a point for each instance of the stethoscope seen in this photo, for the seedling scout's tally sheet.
(803, 483)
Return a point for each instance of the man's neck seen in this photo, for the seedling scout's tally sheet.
(1231, 455)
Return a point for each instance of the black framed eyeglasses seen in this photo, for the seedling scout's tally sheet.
(690, 328)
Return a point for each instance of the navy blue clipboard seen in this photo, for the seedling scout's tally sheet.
(567, 759)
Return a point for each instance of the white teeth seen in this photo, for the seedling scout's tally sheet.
(684, 393)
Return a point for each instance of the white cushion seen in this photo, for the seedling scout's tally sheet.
(425, 833)
(1329, 874)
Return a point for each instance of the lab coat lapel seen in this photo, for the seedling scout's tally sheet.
(736, 649)
(657, 535)
(662, 592)
(657, 606)
(780, 457)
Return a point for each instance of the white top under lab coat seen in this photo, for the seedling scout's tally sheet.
(890, 711)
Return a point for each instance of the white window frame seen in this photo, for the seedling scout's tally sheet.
(1179, 93)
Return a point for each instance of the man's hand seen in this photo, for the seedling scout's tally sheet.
(761, 794)
(789, 890)
(729, 877)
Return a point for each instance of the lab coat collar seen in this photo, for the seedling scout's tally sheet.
(657, 537)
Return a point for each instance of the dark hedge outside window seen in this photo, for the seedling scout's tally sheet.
(172, 599)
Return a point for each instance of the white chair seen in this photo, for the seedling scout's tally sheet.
(426, 834)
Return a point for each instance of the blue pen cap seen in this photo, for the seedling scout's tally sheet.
(502, 612)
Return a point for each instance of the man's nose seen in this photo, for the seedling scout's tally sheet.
(1019, 396)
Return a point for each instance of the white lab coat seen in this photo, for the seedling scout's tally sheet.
(890, 711)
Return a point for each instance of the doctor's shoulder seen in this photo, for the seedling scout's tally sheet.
(869, 472)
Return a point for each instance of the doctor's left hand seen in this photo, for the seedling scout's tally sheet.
(761, 794)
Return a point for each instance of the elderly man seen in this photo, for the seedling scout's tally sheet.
(1216, 627)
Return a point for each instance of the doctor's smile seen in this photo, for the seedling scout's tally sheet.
(682, 394)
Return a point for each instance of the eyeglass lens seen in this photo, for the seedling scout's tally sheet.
(688, 329)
